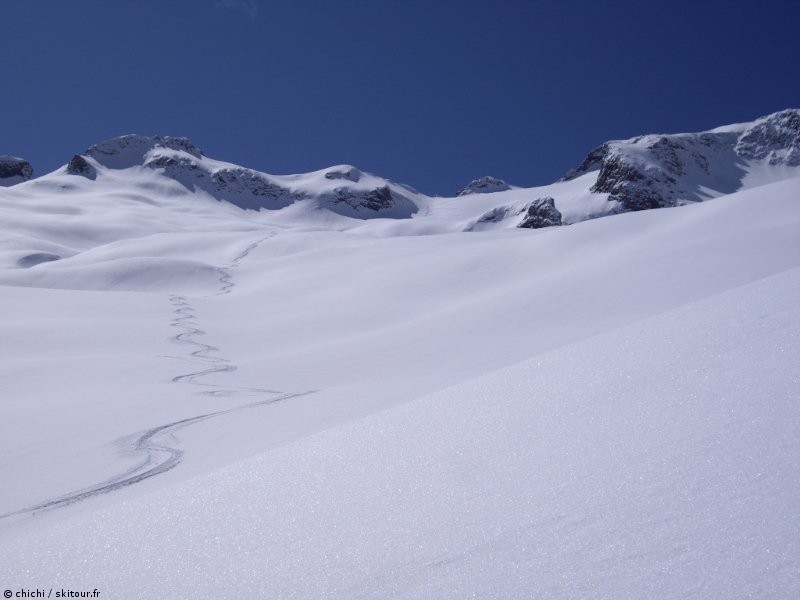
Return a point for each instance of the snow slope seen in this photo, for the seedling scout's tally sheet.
(656, 460)
(204, 400)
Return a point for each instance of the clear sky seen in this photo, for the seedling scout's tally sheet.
(432, 93)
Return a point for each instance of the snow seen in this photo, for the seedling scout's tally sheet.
(205, 401)
(637, 463)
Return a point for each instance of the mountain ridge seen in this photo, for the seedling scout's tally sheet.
(643, 172)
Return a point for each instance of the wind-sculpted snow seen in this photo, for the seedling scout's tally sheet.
(37, 258)
(123, 274)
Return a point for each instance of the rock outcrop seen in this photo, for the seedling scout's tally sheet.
(484, 185)
(342, 189)
(78, 165)
(540, 213)
(775, 138)
(537, 214)
(655, 171)
(364, 203)
(14, 170)
(129, 150)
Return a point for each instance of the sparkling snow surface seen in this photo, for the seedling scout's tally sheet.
(201, 401)
(657, 460)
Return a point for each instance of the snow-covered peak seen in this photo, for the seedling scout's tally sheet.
(652, 171)
(14, 170)
(348, 172)
(648, 171)
(130, 150)
(484, 185)
(341, 189)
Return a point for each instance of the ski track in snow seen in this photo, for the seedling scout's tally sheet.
(157, 444)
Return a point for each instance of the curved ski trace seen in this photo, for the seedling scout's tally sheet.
(157, 444)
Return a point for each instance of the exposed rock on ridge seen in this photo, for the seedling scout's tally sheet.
(537, 214)
(78, 165)
(129, 150)
(655, 171)
(775, 138)
(484, 185)
(343, 189)
(14, 170)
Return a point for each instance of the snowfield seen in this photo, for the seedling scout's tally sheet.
(203, 400)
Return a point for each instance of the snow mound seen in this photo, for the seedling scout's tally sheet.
(141, 274)
(37, 258)
(344, 172)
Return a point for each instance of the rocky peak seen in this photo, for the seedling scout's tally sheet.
(130, 150)
(775, 138)
(78, 165)
(484, 185)
(361, 203)
(592, 162)
(654, 171)
(14, 170)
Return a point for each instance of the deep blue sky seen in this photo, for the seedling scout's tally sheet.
(432, 93)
